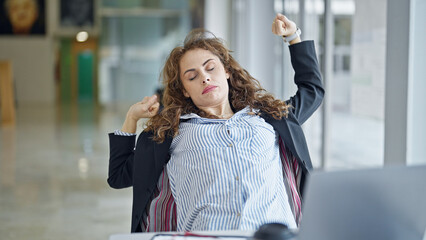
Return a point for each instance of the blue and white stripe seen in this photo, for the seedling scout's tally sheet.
(121, 133)
(227, 174)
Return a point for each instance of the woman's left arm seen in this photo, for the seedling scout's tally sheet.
(310, 91)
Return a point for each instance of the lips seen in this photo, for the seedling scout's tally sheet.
(208, 89)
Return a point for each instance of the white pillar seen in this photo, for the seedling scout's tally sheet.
(416, 136)
(254, 45)
(328, 79)
(218, 18)
(405, 114)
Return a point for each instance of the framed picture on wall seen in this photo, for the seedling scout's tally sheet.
(77, 13)
(22, 17)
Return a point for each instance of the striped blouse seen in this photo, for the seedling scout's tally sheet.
(227, 174)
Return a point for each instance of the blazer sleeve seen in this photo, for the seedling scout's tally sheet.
(120, 169)
(308, 80)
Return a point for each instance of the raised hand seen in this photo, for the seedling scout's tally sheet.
(282, 26)
(146, 108)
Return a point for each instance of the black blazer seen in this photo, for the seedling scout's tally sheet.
(141, 167)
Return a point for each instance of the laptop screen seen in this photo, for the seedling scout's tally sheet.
(386, 203)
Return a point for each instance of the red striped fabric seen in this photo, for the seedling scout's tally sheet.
(162, 211)
(292, 174)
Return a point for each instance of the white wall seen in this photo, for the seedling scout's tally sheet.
(33, 69)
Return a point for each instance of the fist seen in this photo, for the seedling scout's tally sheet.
(282, 26)
(146, 108)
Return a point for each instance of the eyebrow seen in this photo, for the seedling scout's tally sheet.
(193, 69)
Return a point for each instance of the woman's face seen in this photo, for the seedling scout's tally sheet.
(204, 78)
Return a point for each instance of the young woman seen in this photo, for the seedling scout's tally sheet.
(222, 153)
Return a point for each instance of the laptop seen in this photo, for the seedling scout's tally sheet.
(380, 204)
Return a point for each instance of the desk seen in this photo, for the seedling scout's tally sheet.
(148, 236)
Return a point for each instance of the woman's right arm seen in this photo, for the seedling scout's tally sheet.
(120, 169)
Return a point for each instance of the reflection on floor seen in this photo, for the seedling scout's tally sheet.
(53, 170)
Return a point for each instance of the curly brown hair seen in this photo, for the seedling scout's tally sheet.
(244, 90)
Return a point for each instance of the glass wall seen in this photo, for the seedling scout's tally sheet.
(138, 35)
(358, 92)
(356, 87)
(136, 38)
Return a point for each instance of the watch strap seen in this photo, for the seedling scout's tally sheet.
(293, 36)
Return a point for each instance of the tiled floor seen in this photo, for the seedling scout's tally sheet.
(53, 170)
(53, 176)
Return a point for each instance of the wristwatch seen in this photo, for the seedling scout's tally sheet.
(292, 36)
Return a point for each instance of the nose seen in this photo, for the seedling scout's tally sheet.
(206, 77)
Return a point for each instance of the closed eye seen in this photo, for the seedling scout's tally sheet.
(193, 77)
(211, 69)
